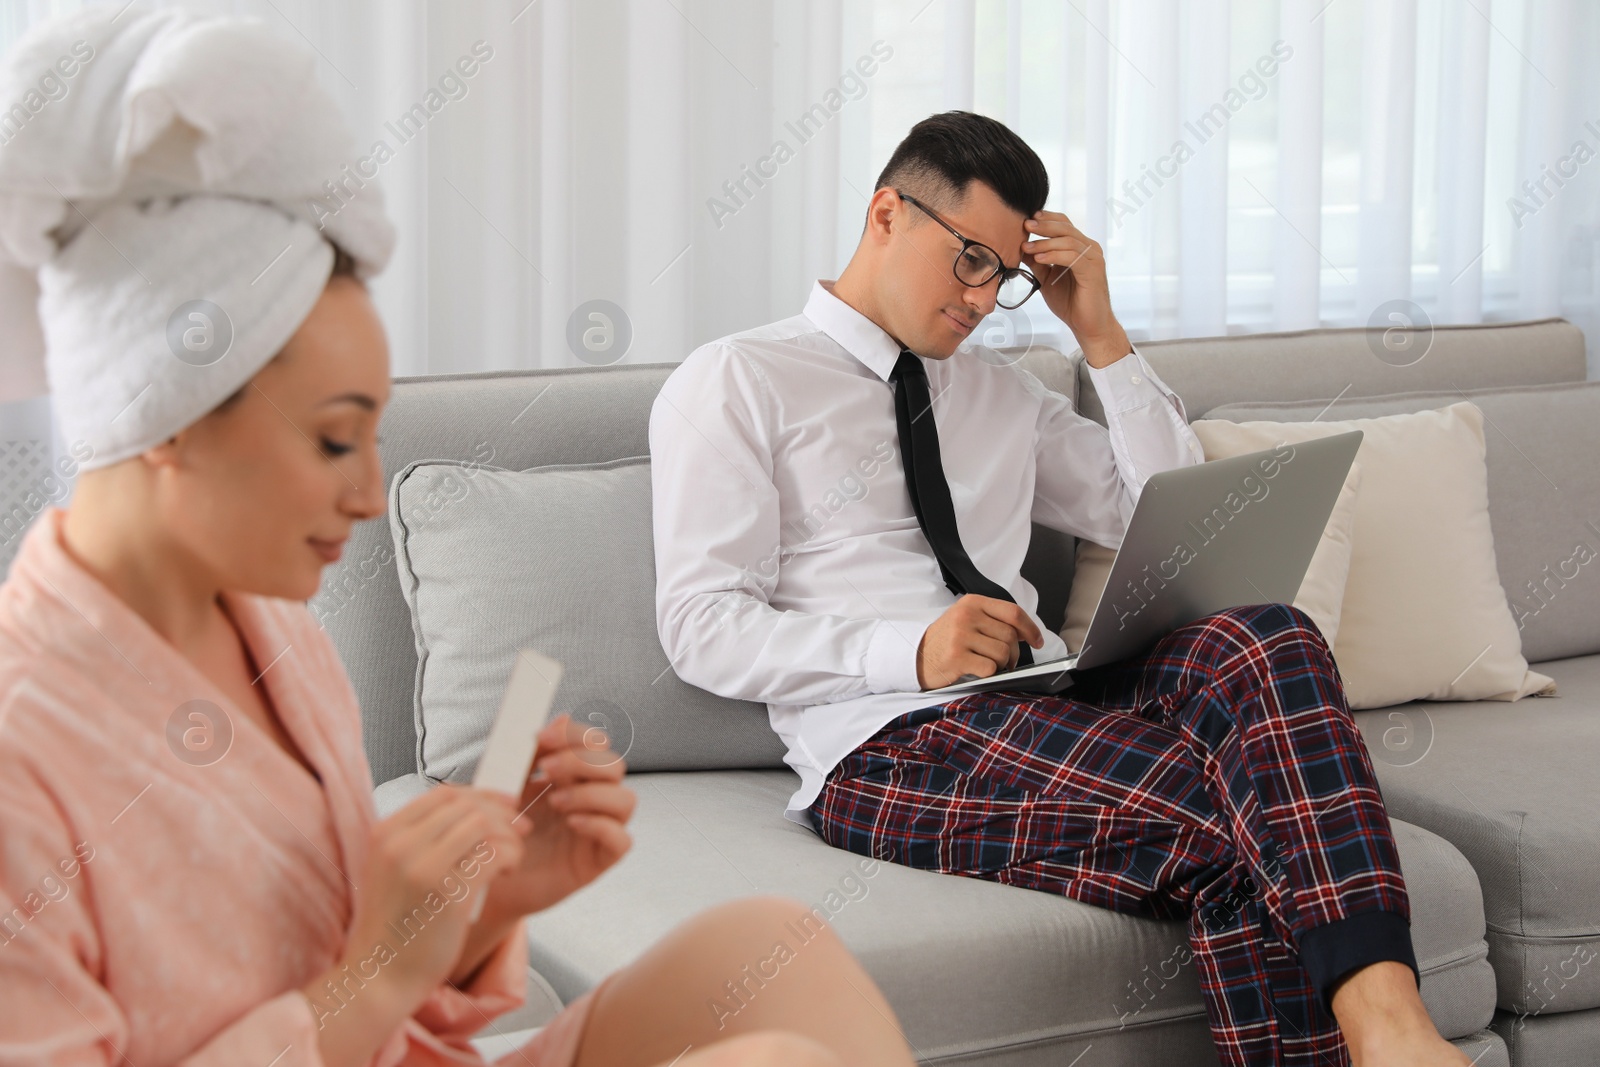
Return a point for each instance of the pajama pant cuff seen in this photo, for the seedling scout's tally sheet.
(1330, 952)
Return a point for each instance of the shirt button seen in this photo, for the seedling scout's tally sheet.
(1136, 380)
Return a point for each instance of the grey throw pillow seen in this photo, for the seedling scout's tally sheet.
(558, 559)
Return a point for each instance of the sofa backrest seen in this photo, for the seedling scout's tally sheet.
(521, 419)
(517, 420)
(1324, 364)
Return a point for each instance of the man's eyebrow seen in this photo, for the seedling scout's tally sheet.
(1003, 262)
(355, 398)
(985, 244)
(996, 249)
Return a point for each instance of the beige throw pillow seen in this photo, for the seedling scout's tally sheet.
(1424, 616)
(1321, 591)
(1321, 594)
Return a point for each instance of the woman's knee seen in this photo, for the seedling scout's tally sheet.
(768, 1048)
(760, 921)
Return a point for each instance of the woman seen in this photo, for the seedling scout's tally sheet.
(192, 870)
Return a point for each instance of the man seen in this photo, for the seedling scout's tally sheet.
(842, 505)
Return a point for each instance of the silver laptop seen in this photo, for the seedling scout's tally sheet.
(1202, 538)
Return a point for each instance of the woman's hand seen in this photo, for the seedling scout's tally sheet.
(577, 807)
(413, 908)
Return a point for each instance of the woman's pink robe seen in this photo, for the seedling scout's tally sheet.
(160, 910)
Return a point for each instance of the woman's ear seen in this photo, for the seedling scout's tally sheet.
(167, 454)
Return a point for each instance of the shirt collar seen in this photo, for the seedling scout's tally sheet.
(855, 333)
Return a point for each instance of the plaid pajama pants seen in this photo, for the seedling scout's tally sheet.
(1218, 778)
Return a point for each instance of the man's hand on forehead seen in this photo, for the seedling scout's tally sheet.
(1071, 270)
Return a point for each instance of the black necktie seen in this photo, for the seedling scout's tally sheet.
(930, 493)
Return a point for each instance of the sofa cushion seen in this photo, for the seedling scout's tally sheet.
(1516, 790)
(557, 559)
(1567, 1040)
(513, 419)
(1544, 498)
(969, 965)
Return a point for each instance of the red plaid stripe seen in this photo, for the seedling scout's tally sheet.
(1218, 777)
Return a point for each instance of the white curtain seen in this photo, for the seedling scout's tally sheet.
(694, 164)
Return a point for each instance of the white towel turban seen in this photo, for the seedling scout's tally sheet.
(169, 185)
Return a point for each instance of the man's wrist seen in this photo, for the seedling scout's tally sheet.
(1101, 354)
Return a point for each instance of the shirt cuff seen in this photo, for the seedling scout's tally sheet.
(1128, 384)
(892, 658)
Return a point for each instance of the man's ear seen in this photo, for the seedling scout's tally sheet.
(884, 211)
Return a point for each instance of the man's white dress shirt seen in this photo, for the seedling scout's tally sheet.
(790, 568)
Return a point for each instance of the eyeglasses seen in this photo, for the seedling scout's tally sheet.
(977, 265)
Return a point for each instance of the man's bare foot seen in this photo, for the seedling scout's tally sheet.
(1425, 1050)
(1385, 1023)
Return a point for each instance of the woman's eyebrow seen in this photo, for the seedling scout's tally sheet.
(355, 398)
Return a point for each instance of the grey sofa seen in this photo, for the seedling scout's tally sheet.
(1495, 805)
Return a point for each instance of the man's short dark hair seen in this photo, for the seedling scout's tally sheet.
(944, 152)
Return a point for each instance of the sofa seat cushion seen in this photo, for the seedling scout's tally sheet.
(1566, 1040)
(970, 966)
(1516, 788)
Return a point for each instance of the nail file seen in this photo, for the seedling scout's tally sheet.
(508, 753)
